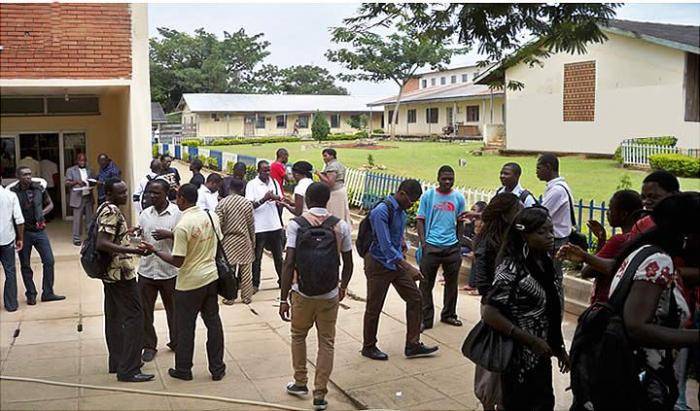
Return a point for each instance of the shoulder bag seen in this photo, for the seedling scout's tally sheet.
(228, 281)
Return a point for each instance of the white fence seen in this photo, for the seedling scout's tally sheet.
(635, 154)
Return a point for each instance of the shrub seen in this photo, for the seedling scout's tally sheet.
(358, 121)
(341, 137)
(378, 131)
(186, 156)
(618, 155)
(679, 165)
(361, 134)
(320, 127)
(249, 140)
(194, 142)
(154, 151)
(250, 173)
(370, 160)
(212, 163)
(625, 182)
(666, 141)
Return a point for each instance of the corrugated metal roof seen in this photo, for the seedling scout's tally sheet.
(275, 103)
(157, 113)
(449, 92)
(671, 35)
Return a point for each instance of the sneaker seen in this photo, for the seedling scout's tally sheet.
(419, 350)
(320, 404)
(298, 390)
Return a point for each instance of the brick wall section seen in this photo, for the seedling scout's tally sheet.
(77, 41)
(411, 84)
(579, 91)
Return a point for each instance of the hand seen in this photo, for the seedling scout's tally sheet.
(572, 253)
(564, 361)
(284, 311)
(341, 294)
(404, 247)
(597, 229)
(539, 346)
(19, 245)
(134, 230)
(412, 271)
(161, 234)
(146, 247)
(468, 215)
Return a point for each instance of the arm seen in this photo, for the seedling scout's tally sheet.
(48, 204)
(346, 274)
(19, 241)
(327, 178)
(576, 254)
(379, 217)
(106, 244)
(286, 284)
(420, 230)
(298, 205)
(174, 260)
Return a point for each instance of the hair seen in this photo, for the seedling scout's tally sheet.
(317, 194)
(240, 165)
(103, 156)
(161, 182)
(667, 181)
(480, 205)
(110, 183)
(526, 221)
(155, 162)
(188, 192)
(237, 186)
(411, 187)
(516, 167)
(495, 225)
(628, 201)
(281, 152)
(330, 152)
(20, 168)
(302, 167)
(214, 178)
(196, 164)
(162, 157)
(445, 169)
(550, 159)
(261, 163)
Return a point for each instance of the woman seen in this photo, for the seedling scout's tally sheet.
(301, 170)
(524, 303)
(333, 175)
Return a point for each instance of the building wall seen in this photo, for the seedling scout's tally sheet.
(65, 40)
(411, 85)
(638, 93)
(469, 71)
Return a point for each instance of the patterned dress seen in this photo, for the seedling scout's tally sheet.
(237, 225)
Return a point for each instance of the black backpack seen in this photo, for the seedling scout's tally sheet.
(604, 367)
(95, 263)
(316, 257)
(365, 234)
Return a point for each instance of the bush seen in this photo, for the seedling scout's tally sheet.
(250, 140)
(378, 131)
(361, 134)
(618, 155)
(154, 151)
(679, 165)
(194, 142)
(186, 156)
(250, 173)
(320, 127)
(341, 137)
(665, 141)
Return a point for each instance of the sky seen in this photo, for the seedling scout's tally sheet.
(299, 33)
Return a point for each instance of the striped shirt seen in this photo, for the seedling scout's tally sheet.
(237, 224)
(151, 266)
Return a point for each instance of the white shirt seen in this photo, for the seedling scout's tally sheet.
(518, 190)
(556, 200)
(84, 178)
(151, 266)
(10, 212)
(266, 215)
(301, 187)
(48, 169)
(141, 188)
(206, 200)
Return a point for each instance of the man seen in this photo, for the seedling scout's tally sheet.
(264, 191)
(385, 264)
(437, 225)
(320, 309)
(155, 276)
(35, 204)
(510, 178)
(137, 198)
(108, 170)
(194, 250)
(278, 168)
(239, 171)
(169, 174)
(207, 195)
(123, 314)
(49, 172)
(10, 241)
(81, 198)
(655, 187)
(238, 228)
(196, 169)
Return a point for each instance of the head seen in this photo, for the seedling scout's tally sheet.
(103, 160)
(237, 186)
(657, 186)
(624, 208)
(166, 160)
(263, 171)
(479, 206)
(239, 170)
(196, 165)
(282, 155)
(186, 196)
(24, 175)
(156, 166)
(329, 155)
(547, 167)
(213, 182)
(317, 195)
(409, 192)
(530, 230)
(497, 216)
(116, 191)
(158, 190)
(302, 169)
(510, 175)
(81, 160)
(446, 178)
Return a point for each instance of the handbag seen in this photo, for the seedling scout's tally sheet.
(488, 348)
(228, 282)
(575, 237)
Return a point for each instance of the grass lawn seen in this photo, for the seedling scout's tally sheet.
(590, 179)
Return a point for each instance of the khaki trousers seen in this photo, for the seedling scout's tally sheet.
(307, 312)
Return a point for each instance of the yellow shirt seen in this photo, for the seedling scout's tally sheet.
(196, 241)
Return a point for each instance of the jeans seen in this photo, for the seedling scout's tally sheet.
(273, 241)
(40, 241)
(7, 258)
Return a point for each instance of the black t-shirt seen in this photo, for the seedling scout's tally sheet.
(197, 179)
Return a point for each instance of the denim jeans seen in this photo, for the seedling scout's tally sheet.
(40, 241)
(7, 258)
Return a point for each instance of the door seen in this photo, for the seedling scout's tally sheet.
(9, 151)
(40, 152)
(249, 126)
(71, 144)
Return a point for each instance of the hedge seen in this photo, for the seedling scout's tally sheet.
(679, 165)
(665, 141)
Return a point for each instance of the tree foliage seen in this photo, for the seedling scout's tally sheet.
(305, 79)
(320, 127)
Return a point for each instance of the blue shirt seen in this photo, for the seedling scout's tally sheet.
(439, 212)
(110, 171)
(386, 248)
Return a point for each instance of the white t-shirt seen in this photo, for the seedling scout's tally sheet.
(48, 169)
(206, 200)
(556, 200)
(10, 214)
(301, 187)
(84, 179)
(266, 215)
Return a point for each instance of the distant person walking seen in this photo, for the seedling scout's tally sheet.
(81, 199)
(11, 240)
(510, 178)
(196, 169)
(239, 171)
(333, 175)
(108, 170)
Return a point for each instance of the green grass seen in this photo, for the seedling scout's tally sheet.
(590, 179)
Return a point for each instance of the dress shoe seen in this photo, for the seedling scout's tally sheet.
(179, 374)
(452, 321)
(52, 297)
(11, 310)
(374, 353)
(148, 354)
(140, 377)
(172, 346)
(31, 300)
(218, 376)
(419, 350)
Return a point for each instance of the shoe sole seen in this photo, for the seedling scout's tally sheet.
(298, 393)
(320, 407)
(421, 355)
(375, 358)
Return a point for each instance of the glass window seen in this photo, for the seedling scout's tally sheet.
(73, 105)
(281, 121)
(432, 81)
(412, 115)
(260, 121)
(453, 79)
(465, 78)
(391, 117)
(335, 120)
(22, 106)
(215, 117)
(304, 121)
(424, 83)
(431, 115)
(472, 114)
(443, 81)
(8, 160)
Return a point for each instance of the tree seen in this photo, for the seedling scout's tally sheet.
(320, 127)
(299, 80)
(358, 121)
(395, 57)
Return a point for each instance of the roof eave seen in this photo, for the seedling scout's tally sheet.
(443, 99)
(661, 42)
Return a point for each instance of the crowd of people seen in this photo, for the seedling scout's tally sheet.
(516, 243)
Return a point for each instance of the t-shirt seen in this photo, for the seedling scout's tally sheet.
(335, 166)
(266, 216)
(440, 212)
(278, 171)
(196, 241)
(612, 248)
(301, 187)
(197, 179)
(556, 201)
(206, 200)
(643, 224)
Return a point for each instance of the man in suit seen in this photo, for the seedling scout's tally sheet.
(81, 198)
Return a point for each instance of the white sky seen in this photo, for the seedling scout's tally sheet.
(299, 33)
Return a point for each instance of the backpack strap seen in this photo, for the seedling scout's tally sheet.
(619, 296)
(330, 222)
(571, 205)
(525, 194)
(302, 222)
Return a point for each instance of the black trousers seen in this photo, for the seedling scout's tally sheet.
(149, 290)
(534, 393)
(188, 304)
(450, 258)
(272, 240)
(123, 327)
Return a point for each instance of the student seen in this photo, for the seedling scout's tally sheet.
(169, 174)
(139, 203)
(321, 307)
(510, 178)
(278, 168)
(386, 265)
(11, 241)
(437, 226)
(655, 187)
(207, 196)
(301, 170)
(196, 169)
(239, 171)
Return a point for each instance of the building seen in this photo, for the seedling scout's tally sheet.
(210, 115)
(158, 120)
(434, 100)
(74, 79)
(641, 82)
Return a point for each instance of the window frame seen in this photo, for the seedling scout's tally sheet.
(411, 116)
(335, 116)
(306, 118)
(428, 115)
(284, 121)
(470, 113)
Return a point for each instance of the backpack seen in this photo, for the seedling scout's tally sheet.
(317, 257)
(525, 194)
(95, 263)
(604, 367)
(365, 234)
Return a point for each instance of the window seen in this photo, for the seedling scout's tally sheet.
(443, 81)
(391, 117)
(335, 120)
(74, 105)
(431, 115)
(579, 91)
(472, 114)
(465, 78)
(412, 115)
(432, 81)
(215, 117)
(449, 116)
(453, 79)
(281, 121)
(304, 121)
(692, 87)
(49, 106)
(259, 121)
(424, 83)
